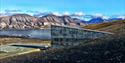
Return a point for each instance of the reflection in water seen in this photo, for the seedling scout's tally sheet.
(39, 34)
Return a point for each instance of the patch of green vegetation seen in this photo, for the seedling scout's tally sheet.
(2, 52)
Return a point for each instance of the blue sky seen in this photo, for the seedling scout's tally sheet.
(106, 7)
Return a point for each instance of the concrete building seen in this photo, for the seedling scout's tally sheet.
(70, 35)
(61, 35)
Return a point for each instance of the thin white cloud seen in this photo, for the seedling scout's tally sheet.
(79, 13)
(30, 11)
(17, 10)
(105, 17)
(57, 13)
(123, 17)
(98, 15)
(66, 13)
(61, 14)
(101, 15)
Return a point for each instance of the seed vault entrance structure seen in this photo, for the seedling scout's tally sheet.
(61, 35)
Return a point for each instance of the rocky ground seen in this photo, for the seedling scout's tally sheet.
(109, 49)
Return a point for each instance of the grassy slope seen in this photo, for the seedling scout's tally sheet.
(116, 26)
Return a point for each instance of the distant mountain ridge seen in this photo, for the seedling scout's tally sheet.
(96, 20)
(25, 21)
(99, 20)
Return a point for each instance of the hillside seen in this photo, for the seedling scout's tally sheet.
(25, 21)
(115, 26)
(108, 49)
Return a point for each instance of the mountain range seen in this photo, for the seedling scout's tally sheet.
(99, 20)
(25, 21)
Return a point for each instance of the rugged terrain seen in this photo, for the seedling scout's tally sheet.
(24, 21)
(109, 49)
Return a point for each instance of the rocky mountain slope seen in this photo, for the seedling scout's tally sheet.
(24, 21)
(18, 21)
(96, 20)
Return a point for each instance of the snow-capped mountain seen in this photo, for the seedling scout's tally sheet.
(97, 20)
